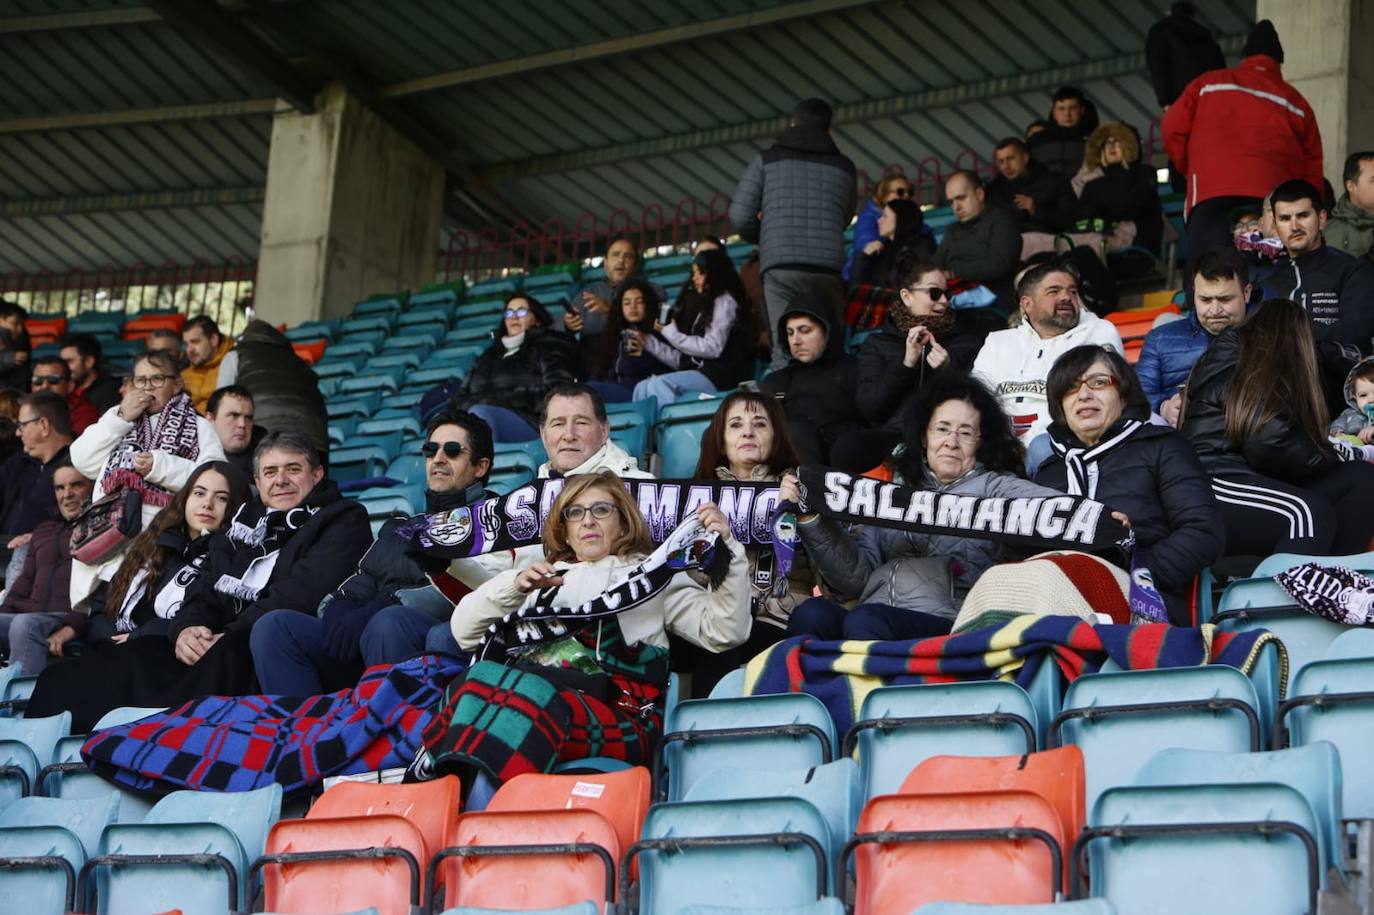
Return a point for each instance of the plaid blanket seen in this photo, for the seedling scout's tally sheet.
(841, 674)
(245, 742)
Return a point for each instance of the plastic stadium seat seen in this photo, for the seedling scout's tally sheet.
(899, 726)
(140, 327)
(529, 859)
(987, 846)
(353, 405)
(381, 382)
(783, 731)
(754, 853)
(400, 400)
(26, 746)
(372, 324)
(405, 360)
(336, 370)
(359, 462)
(44, 842)
(496, 286)
(630, 431)
(646, 408)
(429, 377)
(621, 797)
(45, 330)
(833, 789)
(479, 308)
(179, 831)
(339, 864)
(1305, 637)
(432, 806)
(1079, 907)
(407, 426)
(352, 349)
(310, 353)
(381, 305)
(311, 330)
(96, 322)
(1281, 562)
(69, 778)
(473, 331)
(384, 504)
(15, 695)
(408, 467)
(434, 299)
(1313, 771)
(1331, 702)
(1120, 719)
(442, 315)
(535, 283)
(1160, 849)
(667, 263)
(679, 447)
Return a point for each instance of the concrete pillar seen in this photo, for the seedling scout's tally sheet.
(352, 209)
(1328, 48)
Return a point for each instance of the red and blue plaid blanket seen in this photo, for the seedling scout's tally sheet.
(841, 674)
(244, 742)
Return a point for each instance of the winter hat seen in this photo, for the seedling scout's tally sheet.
(1332, 592)
(1057, 583)
(1263, 40)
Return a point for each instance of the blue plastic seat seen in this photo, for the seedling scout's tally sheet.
(419, 336)
(428, 319)
(496, 286)
(1120, 719)
(360, 405)
(1305, 637)
(15, 695)
(538, 281)
(474, 330)
(1078, 907)
(679, 447)
(691, 406)
(379, 382)
(646, 408)
(752, 853)
(630, 430)
(44, 842)
(310, 331)
(337, 369)
(782, 731)
(593, 274)
(231, 825)
(405, 360)
(479, 308)
(657, 267)
(382, 504)
(359, 462)
(435, 298)
(407, 425)
(26, 746)
(383, 324)
(97, 322)
(388, 442)
(429, 377)
(1331, 703)
(1160, 849)
(398, 401)
(408, 467)
(350, 349)
(900, 726)
(386, 306)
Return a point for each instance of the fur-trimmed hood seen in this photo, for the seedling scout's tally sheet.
(1130, 144)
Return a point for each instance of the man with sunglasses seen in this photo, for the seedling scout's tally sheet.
(51, 373)
(389, 610)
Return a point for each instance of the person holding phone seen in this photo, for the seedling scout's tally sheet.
(618, 358)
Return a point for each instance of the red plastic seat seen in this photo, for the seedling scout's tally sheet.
(140, 327)
(383, 878)
(502, 869)
(310, 352)
(621, 797)
(45, 330)
(904, 873)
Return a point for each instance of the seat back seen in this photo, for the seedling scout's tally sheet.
(35, 827)
(753, 870)
(1120, 719)
(899, 726)
(375, 860)
(499, 869)
(432, 807)
(1305, 637)
(782, 731)
(1139, 868)
(26, 746)
(621, 797)
(1078, 907)
(73, 780)
(958, 852)
(1353, 643)
(1316, 712)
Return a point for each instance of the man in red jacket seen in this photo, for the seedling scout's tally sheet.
(1237, 134)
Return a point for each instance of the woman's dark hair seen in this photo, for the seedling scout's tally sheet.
(1276, 372)
(1072, 365)
(536, 308)
(998, 448)
(608, 343)
(909, 220)
(783, 455)
(721, 277)
(145, 555)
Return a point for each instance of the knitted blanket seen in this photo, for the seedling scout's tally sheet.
(841, 674)
(245, 742)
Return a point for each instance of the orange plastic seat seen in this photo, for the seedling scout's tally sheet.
(45, 330)
(533, 859)
(319, 875)
(310, 352)
(1132, 349)
(1142, 315)
(138, 328)
(957, 847)
(621, 797)
(1057, 775)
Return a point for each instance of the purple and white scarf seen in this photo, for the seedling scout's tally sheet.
(176, 434)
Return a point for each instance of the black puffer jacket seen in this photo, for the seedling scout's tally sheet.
(1122, 194)
(286, 393)
(1060, 149)
(1155, 478)
(518, 380)
(1178, 49)
(1277, 450)
(986, 249)
(818, 397)
(880, 268)
(1051, 191)
(319, 555)
(887, 384)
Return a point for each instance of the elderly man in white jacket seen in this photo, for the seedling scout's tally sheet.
(146, 441)
(1015, 362)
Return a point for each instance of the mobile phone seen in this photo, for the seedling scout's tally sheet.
(664, 311)
(569, 307)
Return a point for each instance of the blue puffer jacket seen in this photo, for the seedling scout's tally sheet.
(1168, 356)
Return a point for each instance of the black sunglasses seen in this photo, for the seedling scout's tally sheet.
(901, 192)
(451, 449)
(935, 292)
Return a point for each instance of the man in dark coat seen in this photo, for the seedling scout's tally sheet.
(15, 367)
(1041, 200)
(984, 246)
(1178, 49)
(230, 410)
(1059, 147)
(26, 493)
(389, 610)
(795, 200)
(286, 393)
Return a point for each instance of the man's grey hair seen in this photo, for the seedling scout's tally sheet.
(286, 440)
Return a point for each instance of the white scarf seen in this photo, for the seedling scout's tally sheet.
(1082, 462)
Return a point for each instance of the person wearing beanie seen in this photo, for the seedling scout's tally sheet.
(1238, 133)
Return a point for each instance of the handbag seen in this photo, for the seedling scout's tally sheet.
(107, 525)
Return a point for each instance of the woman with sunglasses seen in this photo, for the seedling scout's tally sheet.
(507, 382)
(902, 236)
(917, 339)
(1105, 448)
(597, 689)
(893, 187)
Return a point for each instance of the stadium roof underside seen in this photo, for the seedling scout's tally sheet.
(139, 131)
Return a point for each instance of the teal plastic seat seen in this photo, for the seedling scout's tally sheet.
(833, 789)
(349, 349)
(386, 306)
(100, 323)
(388, 442)
(1305, 637)
(26, 746)
(68, 778)
(408, 467)
(506, 481)
(384, 382)
(407, 425)
(480, 308)
(390, 359)
(474, 330)
(580, 908)
(429, 377)
(357, 463)
(1282, 562)
(1356, 642)
(827, 906)
(15, 695)
(440, 315)
(385, 504)
(730, 686)
(1160, 849)
(44, 842)
(679, 446)
(901, 726)
(496, 286)
(1121, 719)
(759, 853)
(434, 298)
(1332, 702)
(630, 430)
(399, 401)
(1079, 907)
(231, 825)
(767, 733)
(310, 331)
(357, 405)
(377, 323)
(647, 408)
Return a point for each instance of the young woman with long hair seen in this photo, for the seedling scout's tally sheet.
(618, 359)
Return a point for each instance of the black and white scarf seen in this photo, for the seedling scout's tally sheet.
(544, 619)
(1082, 462)
(177, 433)
(257, 543)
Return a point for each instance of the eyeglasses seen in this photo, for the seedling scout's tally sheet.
(517, 312)
(964, 435)
(24, 422)
(900, 192)
(936, 293)
(1094, 383)
(142, 382)
(52, 380)
(600, 511)
(451, 449)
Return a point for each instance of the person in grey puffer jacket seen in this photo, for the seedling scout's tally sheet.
(795, 200)
(910, 585)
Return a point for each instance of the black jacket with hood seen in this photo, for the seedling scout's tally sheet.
(820, 397)
(1178, 49)
(1055, 204)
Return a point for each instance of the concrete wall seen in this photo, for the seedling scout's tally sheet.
(352, 209)
(1328, 50)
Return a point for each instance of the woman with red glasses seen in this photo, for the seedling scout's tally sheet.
(1106, 448)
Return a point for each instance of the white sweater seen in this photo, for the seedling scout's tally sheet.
(1015, 362)
(715, 620)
